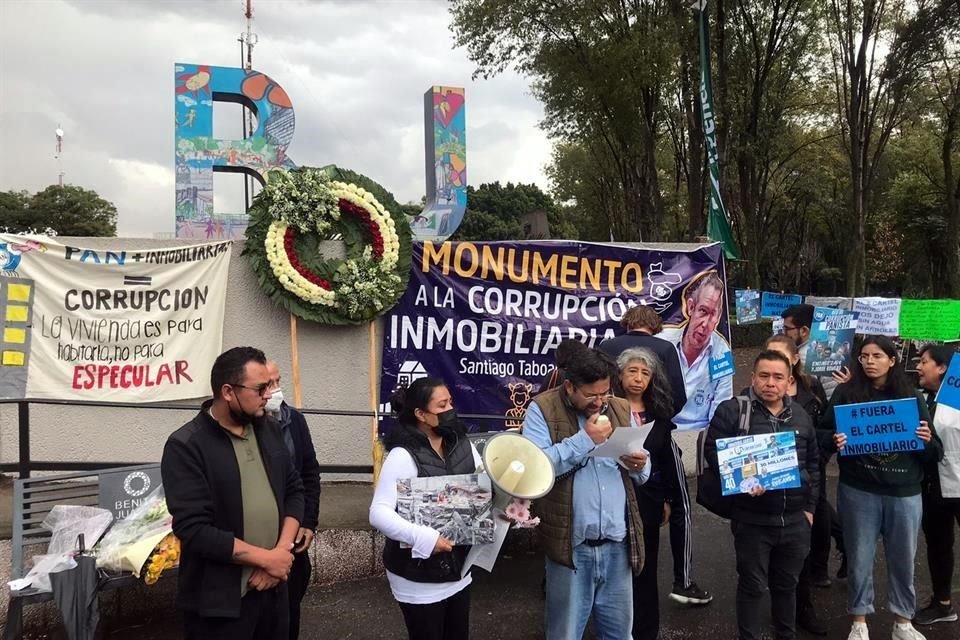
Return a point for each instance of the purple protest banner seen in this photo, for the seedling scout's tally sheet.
(486, 317)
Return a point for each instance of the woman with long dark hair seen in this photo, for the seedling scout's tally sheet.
(879, 494)
(644, 383)
(424, 577)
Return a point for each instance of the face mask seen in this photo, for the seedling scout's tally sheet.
(240, 416)
(273, 404)
(448, 422)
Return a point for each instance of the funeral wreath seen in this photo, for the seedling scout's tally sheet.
(288, 220)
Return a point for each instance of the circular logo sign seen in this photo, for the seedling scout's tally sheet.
(8, 259)
(136, 484)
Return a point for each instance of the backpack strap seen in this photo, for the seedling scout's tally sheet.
(745, 409)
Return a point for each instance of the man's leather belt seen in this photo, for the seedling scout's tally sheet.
(597, 543)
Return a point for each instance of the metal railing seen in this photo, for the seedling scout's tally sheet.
(26, 465)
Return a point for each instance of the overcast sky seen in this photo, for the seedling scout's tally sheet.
(356, 71)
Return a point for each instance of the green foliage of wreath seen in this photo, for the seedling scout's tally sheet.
(364, 289)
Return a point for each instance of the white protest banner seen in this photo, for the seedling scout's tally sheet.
(830, 301)
(131, 325)
(878, 316)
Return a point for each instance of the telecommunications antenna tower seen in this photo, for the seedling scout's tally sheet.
(249, 40)
(59, 155)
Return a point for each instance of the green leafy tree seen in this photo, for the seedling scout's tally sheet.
(944, 78)
(872, 90)
(64, 211)
(497, 212)
(15, 215)
(590, 193)
(770, 71)
(600, 69)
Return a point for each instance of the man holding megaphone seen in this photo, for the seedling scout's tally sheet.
(590, 523)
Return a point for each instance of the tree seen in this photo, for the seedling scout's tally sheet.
(599, 67)
(64, 211)
(924, 193)
(590, 191)
(770, 67)
(15, 215)
(838, 127)
(945, 76)
(872, 90)
(684, 123)
(496, 212)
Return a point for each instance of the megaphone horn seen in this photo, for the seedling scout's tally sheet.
(518, 468)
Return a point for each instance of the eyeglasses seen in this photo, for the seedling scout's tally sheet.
(603, 397)
(789, 328)
(261, 389)
(867, 357)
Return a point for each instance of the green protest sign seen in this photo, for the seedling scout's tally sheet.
(930, 319)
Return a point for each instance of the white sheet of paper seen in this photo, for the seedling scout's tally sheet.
(485, 555)
(623, 442)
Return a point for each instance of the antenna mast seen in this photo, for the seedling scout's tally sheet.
(59, 155)
(248, 39)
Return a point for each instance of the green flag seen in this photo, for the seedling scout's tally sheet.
(718, 223)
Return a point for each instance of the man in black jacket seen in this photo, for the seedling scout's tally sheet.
(771, 528)
(296, 438)
(236, 503)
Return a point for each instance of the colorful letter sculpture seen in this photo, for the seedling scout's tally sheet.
(199, 154)
(446, 164)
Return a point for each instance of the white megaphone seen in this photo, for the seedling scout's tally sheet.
(517, 468)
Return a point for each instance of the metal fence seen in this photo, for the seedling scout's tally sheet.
(26, 465)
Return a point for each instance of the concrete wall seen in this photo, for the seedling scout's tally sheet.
(334, 374)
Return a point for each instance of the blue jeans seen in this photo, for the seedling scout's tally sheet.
(868, 518)
(601, 585)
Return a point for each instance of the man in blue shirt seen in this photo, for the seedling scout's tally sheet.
(590, 523)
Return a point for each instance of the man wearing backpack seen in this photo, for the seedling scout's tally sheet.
(771, 528)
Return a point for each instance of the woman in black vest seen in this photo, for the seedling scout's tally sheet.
(644, 383)
(425, 577)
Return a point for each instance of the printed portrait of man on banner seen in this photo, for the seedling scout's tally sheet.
(705, 356)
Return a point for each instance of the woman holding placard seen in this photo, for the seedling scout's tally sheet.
(644, 383)
(879, 494)
(423, 567)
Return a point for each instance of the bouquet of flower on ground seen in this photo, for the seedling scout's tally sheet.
(131, 541)
(460, 507)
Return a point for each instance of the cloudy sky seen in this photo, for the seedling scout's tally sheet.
(356, 71)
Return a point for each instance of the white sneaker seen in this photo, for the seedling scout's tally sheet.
(859, 631)
(906, 632)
